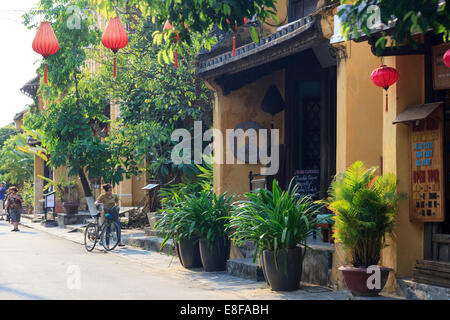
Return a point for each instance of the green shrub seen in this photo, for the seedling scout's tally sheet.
(365, 206)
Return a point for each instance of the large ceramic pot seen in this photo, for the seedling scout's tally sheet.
(289, 272)
(214, 258)
(189, 253)
(356, 280)
(71, 207)
(59, 207)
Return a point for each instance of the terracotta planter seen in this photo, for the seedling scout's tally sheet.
(71, 207)
(288, 275)
(356, 280)
(59, 208)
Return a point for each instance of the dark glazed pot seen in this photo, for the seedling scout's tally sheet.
(215, 258)
(70, 207)
(278, 278)
(189, 253)
(356, 280)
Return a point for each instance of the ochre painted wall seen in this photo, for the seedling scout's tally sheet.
(359, 120)
(230, 110)
(406, 246)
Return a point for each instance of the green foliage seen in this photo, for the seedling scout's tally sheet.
(413, 16)
(365, 206)
(5, 133)
(16, 166)
(68, 61)
(27, 193)
(154, 100)
(193, 19)
(201, 215)
(273, 220)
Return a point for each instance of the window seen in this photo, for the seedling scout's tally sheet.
(301, 8)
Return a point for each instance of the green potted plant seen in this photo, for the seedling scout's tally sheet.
(66, 191)
(212, 226)
(365, 206)
(278, 223)
(178, 220)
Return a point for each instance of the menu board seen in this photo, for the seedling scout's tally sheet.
(308, 182)
(427, 196)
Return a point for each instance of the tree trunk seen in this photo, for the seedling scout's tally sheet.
(87, 192)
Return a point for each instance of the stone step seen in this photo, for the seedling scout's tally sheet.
(245, 268)
(151, 244)
(152, 233)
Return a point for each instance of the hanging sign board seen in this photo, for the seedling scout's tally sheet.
(427, 175)
(441, 74)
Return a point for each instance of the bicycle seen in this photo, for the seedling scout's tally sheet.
(107, 233)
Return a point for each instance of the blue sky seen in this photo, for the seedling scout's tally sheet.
(17, 58)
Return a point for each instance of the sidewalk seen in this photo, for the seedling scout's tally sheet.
(169, 266)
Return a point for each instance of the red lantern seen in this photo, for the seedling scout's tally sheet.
(235, 34)
(45, 43)
(115, 37)
(447, 58)
(168, 26)
(384, 77)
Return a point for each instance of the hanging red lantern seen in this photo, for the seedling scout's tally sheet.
(115, 37)
(235, 31)
(45, 43)
(384, 77)
(447, 58)
(168, 26)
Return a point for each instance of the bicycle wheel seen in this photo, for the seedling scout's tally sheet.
(90, 236)
(110, 235)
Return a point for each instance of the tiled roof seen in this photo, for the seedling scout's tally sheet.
(30, 88)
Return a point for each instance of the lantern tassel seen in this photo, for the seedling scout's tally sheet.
(45, 73)
(234, 45)
(387, 102)
(176, 58)
(115, 72)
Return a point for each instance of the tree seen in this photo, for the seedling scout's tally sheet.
(74, 107)
(154, 99)
(410, 16)
(16, 166)
(193, 19)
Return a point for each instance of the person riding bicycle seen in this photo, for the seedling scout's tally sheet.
(110, 203)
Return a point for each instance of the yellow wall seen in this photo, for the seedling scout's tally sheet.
(359, 120)
(407, 243)
(230, 110)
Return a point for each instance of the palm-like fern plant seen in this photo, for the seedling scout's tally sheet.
(365, 206)
(274, 220)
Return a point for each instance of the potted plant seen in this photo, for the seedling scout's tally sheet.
(279, 223)
(212, 227)
(365, 206)
(66, 191)
(178, 221)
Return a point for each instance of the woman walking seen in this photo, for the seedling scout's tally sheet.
(14, 203)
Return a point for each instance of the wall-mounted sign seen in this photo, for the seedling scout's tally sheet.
(441, 74)
(427, 176)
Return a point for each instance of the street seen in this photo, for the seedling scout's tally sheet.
(38, 265)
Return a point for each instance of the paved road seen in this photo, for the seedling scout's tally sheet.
(38, 265)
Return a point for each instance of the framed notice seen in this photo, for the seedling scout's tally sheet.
(50, 200)
(427, 175)
(441, 74)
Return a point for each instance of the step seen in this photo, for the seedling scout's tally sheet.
(152, 233)
(151, 244)
(245, 268)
